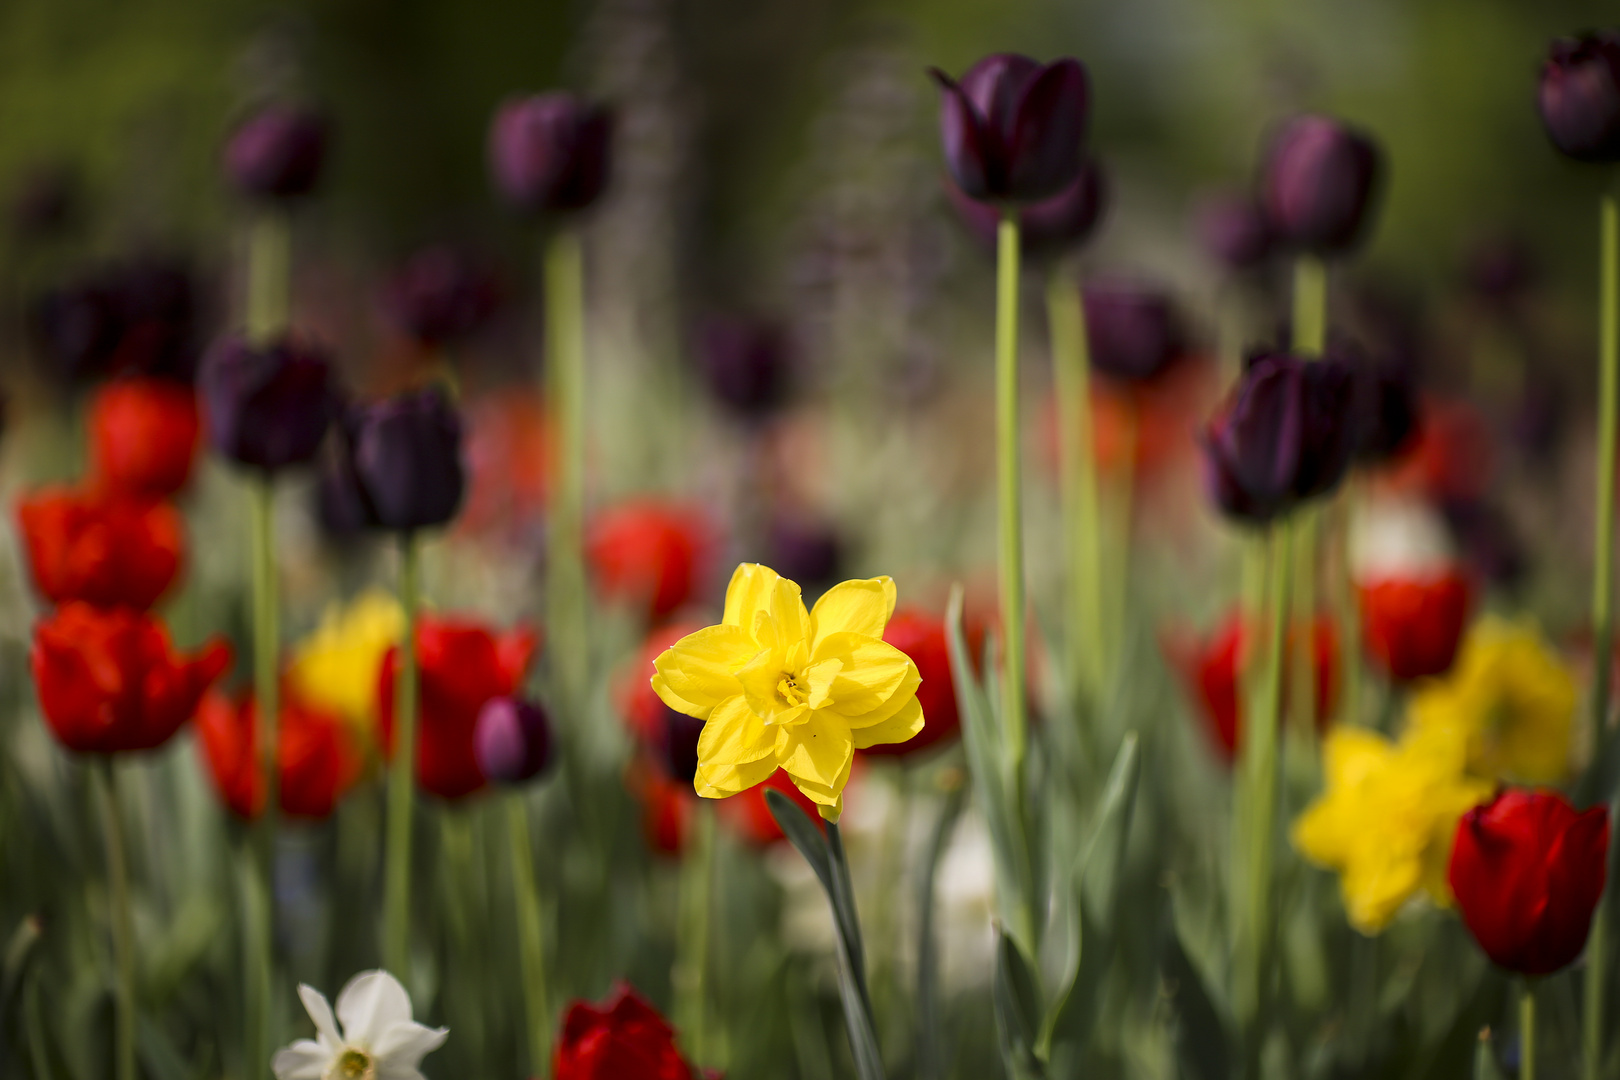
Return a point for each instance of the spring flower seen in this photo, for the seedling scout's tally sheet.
(748, 365)
(316, 755)
(143, 435)
(379, 1040)
(1047, 228)
(550, 153)
(1510, 698)
(1012, 128)
(404, 460)
(780, 687)
(1579, 96)
(922, 637)
(648, 553)
(440, 296)
(1528, 869)
(1386, 819)
(268, 406)
(1318, 183)
(1414, 623)
(277, 153)
(622, 1037)
(336, 666)
(1133, 329)
(104, 549)
(512, 740)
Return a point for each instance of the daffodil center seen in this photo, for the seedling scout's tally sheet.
(352, 1065)
(789, 690)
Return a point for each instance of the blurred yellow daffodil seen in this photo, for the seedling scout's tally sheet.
(337, 666)
(780, 687)
(1386, 820)
(1510, 697)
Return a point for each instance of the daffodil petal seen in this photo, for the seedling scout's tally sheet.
(759, 680)
(872, 673)
(861, 607)
(748, 593)
(818, 681)
(699, 671)
(905, 723)
(819, 751)
(826, 796)
(734, 734)
(724, 781)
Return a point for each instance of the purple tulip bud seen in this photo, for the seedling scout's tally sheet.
(277, 153)
(407, 458)
(512, 740)
(747, 365)
(805, 551)
(267, 407)
(1046, 228)
(1319, 181)
(1579, 96)
(550, 153)
(341, 506)
(677, 744)
(1013, 130)
(1284, 437)
(77, 328)
(440, 296)
(1234, 231)
(1132, 328)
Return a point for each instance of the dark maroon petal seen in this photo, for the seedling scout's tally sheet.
(994, 86)
(407, 456)
(1133, 329)
(1044, 146)
(1319, 182)
(1066, 220)
(1579, 97)
(970, 153)
(267, 407)
(277, 153)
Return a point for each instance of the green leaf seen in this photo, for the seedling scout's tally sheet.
(803, 835)
(1201, 1037)
(1486, 1066)
(930, 1042)
(1018, 1007)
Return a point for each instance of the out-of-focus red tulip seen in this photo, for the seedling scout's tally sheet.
(622, 1038)
(109, 681)
(1527, 869)
(1413, 625)
(316, 755)
(461, 665)
(143, 435)
(666, 809)
(105, 549)
(1452, 458)
(647, 552)
(922, 637)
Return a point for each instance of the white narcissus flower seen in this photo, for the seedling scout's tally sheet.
(380, 1041)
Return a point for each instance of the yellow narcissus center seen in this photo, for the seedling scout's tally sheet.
(352, 1065)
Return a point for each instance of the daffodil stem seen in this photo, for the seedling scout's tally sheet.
(402, 777)
(1009, 498)
(269, 275)
(259, 866)
(565, 377)
(857, 997)
(123, 930)
(531, 937)
(1071, 374)
(1527, 1030)
(696, 919)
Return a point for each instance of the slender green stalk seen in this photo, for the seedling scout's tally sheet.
(1310, 306)
(531, 938)
(402, 778)
(260, 854)
(1527, 1031)
(565, 373)
(269, 275)
(123, 928)
(1310, 341)
(696, 919)
(1009, 496)
(857, 1013)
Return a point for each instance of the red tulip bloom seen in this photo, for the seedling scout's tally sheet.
(460, 665)
(109, 681)
(1528, 869)
(922, 637)
(666, 809)
(646, 552)
(622, 1038)
(143, 435)
(107, 550)
(316, 755)
(1412, 626)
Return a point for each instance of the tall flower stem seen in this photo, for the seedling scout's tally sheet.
(565, 378)
(1009, 498)
(269, 275)
(1310, 342)
(696, 919)
(853, 957)
(1527, 1031)
(123, 930)
(531, 938)
(402, 777)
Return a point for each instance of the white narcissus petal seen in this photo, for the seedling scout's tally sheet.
(369, 1005)
(320, 1012)
(403, 1045)
(305, 1059)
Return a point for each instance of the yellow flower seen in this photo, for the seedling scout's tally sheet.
(777, 686)
(1387, 818)
(336, 667)
(1510, 697)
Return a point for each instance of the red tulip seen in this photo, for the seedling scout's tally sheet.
(751, 816)
(109, 680)
(646, 552)
(1528, 869)
(316, 755)
(143, 435)
(104, 549)
(1412, 626)
(623, 1038)
(922, 637)
(460, 665)
(666, 809)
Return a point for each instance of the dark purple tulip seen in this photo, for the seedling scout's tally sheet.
(407, 458)
(1012, 129)
(77, 328)
(341, 505)
(747, 365)
(550, 153)
(1285, 436)
(1049, 227)
(1319, 181)
(277, 153)
(440, 296)
(1132, 328)
(1234, 231)
(1579, 96)
(267, 407)
(677, 744)
(808, 552)
(512, 740)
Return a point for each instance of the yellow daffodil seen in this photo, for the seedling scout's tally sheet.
(780, 687)
(1510, 697)
(336, 666)
(1386, 820)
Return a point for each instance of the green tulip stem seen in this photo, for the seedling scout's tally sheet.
(531, 937)
(1009, 501)
(696, 914)
(269, 275)
(258, 863)
(402, 776)
(123, 929)
(1310, 306)
(565, 375)
(1310, 342)
(1082, 528)
(1527, 1030)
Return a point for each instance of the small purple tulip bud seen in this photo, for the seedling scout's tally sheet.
(440, 296)
(77, 329)
(407, 458)
(1579, 96)
(1234, 231)
(512, 740)
(747, 365)
(1319, 181)
(1132, 328)
(277, 153)
(1046, 228)
(1012, 129)
(550, 153)
(677, 744)
(267, 407)
(805, 551)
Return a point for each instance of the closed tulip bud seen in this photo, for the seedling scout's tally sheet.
(143, 436)
(622, 1037)
(440, 296)
(1284, 437)
(1234, 231)
(1413, 624)
(512, 740)
(316, 756)
(1047, 228)
(747, 365)
(1012, 129)
(1132, 328)
(268, 407)
(407, 459)
(1579, 96)
(277, 153)
(1527, 869)
(1319, 182)
(550, 153)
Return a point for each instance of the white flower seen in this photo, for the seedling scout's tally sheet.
(380, 1041)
